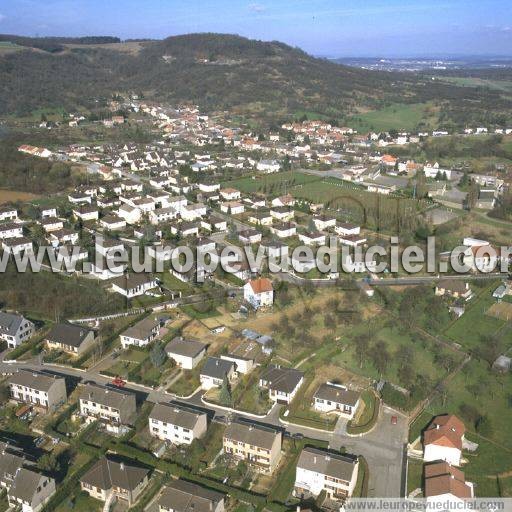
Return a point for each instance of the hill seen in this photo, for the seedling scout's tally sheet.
(263, 79)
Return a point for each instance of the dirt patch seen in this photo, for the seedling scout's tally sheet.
(8, 196)
(501, 310)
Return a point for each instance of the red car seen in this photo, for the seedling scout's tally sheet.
(394, 420)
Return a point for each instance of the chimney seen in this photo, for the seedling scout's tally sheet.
(121, 466)
(314, 459)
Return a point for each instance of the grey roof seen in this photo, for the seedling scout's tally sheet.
(187, 348)
(25, 484)
(132, 281)
(34, 380)
(176, 415)
(108, 396)
(326, 463)
(217, 368)
(68, 334)
(143, 329)
(108, 473)
(183, 496)
(249, 433)
(337, 394)
(10, 323)
(11, 460)
(281, 379)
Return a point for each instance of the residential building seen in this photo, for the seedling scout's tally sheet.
(177, 424)
(214, 372)
(454, 288)
(134, 285)
(185, 353)
(142, 333)
(258, 445)
(321, 471)
(336, 398)
(112, 477)
(30, 490)
(17, 245)
(10, 230)
(8, 213)
(70, 338)
(184, 496)
(445, 483)
(443, 438)
(115, 408)
(40, 389)
(243, 365)
(259, 292)
(15, 329)
(282, 383)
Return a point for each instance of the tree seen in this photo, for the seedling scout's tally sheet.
(225, 397)
(157, 355)
(362, 342)
(380, 356)
(49, 463)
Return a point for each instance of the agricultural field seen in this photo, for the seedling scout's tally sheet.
(278, 183)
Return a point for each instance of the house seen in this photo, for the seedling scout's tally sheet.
(260, 218)
(282, 213)
(86, 213)
(134, 285)
(255, 444)
(259, 292)
(352, 240)
(243, 365)
(15, 329)
(453, 288)
(214, 372)
(312, 238)
(130, 214)
(177, 424)
(230, 194)
(330, 397)
(30, 490)
(214, 223)
(17, 245)
(445, 483)
(10, 230)
(70, 338)
(185, 353)
(249, 236)
(63, 236)
(51, 224)
(112, 477)
(113, 223)
(286, 200)
(347, 229)
(8, 213)
(285, 230)
(268, 166)
(442, 439)
(323, 222)
(232, 207)
(142, 333)
(162, 215)
(115, 408)
(191, 212)
(282, 383)
(184, 496)
(40, 389)
(322, 471)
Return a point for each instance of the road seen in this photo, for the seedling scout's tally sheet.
(383, 447)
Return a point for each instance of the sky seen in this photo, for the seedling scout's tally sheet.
(332, 28)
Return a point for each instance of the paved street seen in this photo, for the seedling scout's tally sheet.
(383, 448)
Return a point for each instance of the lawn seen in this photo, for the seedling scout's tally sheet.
(394, 117)
(414, 475)
(274, 184)
(187, 383)
(369, 415)
(80, 501)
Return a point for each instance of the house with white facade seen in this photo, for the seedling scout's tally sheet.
(15, 329)
(259, 292)
(134, 285)
(215, 371)
(185, 353)
(445, 483)
(336, 398)
(282, 383)
(443, 438)
(142, 333)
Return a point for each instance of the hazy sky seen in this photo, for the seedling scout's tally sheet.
(321, 27)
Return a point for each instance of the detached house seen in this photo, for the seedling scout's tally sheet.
(185, 353)
(39, 389)
(320, 471)
(214, 372)
(30, 490)
(10, 230)
(74, 339)
(176, 423)
(184, 496)
(112, 478)
(142, 333)
(115, 408)
(259, 292)
(8, 214)
(15, 329)
(134, 285)
(453, 288)
(282, 383)
(336, 398)
(255, 444)
(443, 438)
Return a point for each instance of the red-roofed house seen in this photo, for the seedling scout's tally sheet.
(444, 482)
(442, 440)
(259, 292)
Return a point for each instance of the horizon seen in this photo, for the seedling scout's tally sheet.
(399, 29)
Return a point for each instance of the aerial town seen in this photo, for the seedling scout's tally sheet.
(245, 275)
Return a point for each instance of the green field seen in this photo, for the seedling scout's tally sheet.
(278, 183)
(497, 85)
(394, 117)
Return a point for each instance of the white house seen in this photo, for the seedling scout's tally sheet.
(442, 440)
(321, 471)
(15, 329)
(142, 333)
(268, 166)
(8, 213)
(214, 372)
(336, 398)
(243, 365)
(282, 383)
(259, 292)
(177, 424)
(17, 245)
(185, 353)
(346, 229)
(232, 207)
(134, 285)
(10, 230)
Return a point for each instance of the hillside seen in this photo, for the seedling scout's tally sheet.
(265, 79)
